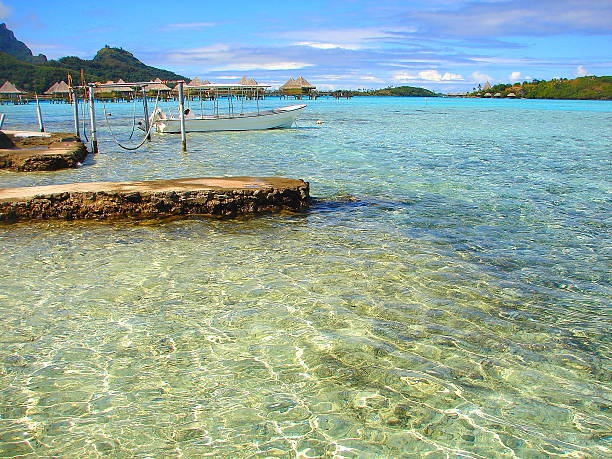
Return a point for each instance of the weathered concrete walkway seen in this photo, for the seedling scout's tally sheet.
(224, 196)
(26, 151)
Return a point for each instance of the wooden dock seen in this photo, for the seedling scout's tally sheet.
(221, 196)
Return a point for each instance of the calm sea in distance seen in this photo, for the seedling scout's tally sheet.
(447, 295)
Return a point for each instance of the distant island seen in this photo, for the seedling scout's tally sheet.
(586, 88)
(398, 91)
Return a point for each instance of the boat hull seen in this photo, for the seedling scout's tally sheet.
(273, 119)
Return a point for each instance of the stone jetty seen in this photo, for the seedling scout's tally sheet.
(223, 196)
(26, 151)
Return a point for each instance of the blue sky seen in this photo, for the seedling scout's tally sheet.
(444, 45)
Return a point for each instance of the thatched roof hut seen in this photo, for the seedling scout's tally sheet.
(9, 88)
(247, 81)
(52, 88)
(497, 94)
(297, 86)
(59, 88)
(511, 94)
(125, 89)
(197, 82)
(290, 83)
(158, 86)
(303, 83)
(192, 85)
(488, 94)
(104, 90)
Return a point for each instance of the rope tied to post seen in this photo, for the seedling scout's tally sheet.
(144, 139)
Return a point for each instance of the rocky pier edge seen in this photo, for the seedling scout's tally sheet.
(221, 197)
(26, 151)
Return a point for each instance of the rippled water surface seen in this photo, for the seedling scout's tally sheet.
(447, 295)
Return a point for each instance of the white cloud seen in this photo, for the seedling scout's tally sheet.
(326, 87)
(189, 25)
(4, 10)
(515, 76)
(481, 77)
(318, 45)
(263, 66)
(370, 78)
(351, 38)
(215, 51)
(427, 75)
(581, 71)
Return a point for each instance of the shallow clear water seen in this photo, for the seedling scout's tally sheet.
(448, 294)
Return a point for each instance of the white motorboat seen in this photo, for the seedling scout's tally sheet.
(277, 118)
(234, 118)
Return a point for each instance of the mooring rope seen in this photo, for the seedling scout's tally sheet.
(144, 139)
(133, 119)
(84, 121)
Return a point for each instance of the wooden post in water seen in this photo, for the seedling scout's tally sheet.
(75, 112)
(92, 119)
(41, 126)
(145, 107)
(1, 120)
(182, 114)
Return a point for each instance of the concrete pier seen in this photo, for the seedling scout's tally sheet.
(26, 151)
(223, 196)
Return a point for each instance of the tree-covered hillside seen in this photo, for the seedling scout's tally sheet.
(108, 64)
(588, 87)
(399, 91)
(114, 63)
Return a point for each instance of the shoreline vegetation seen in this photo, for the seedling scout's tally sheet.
(581, 88)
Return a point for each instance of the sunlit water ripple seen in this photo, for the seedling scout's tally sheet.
(448, 294)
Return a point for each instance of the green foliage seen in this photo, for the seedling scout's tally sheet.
(588, 88)
(108, 64)
(401, 91)
(31, 77)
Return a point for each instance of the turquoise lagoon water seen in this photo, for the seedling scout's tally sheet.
(447, 295)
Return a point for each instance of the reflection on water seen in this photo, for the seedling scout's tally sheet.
(444, 297)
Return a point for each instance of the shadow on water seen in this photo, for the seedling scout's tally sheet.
(344, 203)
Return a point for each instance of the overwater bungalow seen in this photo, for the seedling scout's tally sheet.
(511, 95)
(10, 93)
(248, 81)
(51, 89)
(8, 89)
(159, 86)
(59, 91)
(115, 92)
(197, 82)
(297, 87)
